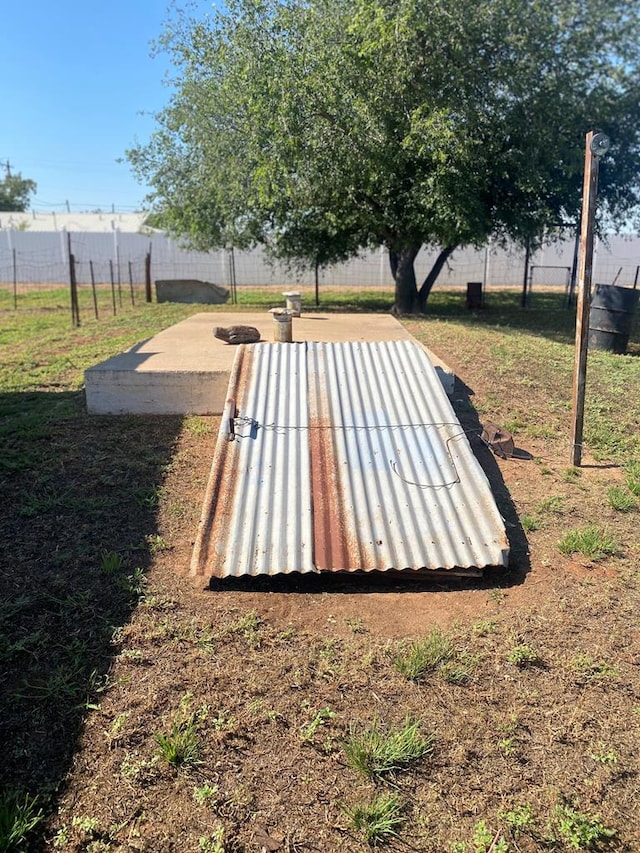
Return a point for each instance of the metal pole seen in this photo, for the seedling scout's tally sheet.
(15, 279)
(113, 286)
(485, 274)
(232, 277)
(596, 144)
(73, 285)
(117, 260)
(93, 289)
(147, 275)
(119, 275)
(525, 278)
(133, 301)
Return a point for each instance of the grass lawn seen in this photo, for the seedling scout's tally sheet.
(141, 713)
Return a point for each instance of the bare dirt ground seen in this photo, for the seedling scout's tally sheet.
(534, 714)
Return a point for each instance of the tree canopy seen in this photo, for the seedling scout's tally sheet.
(15, 193)
(320, 127)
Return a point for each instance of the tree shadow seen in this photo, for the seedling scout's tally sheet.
(547, 315)
(80, 495)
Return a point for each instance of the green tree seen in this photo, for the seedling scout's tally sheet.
(16, 192)
(326, 126)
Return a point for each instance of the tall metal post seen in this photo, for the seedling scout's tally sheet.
(525, 277)
(597, 144)
(147, 274)
(15, 278)
(232, 277)
(487, 262)
(73, 285)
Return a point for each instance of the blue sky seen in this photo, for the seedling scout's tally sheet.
(75, 76)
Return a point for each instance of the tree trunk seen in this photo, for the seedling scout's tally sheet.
(408, 299)
(404, 275)
(434, 272)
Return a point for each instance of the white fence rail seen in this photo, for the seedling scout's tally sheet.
(30, 257)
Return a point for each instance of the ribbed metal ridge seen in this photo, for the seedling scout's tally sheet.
(346, 456)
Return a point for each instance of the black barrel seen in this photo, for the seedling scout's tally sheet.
(474, 295)
(611, 317)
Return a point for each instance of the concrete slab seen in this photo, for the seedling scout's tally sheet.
(184, 369)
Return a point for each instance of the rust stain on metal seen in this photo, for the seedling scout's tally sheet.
(330, 549)
(335, 547)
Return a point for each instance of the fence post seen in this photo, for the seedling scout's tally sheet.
(73, 285)
(589, 193)
(133, 301)
(487, 264)
(147, 275)
(113, 287)
(93, 288)
(232, 277)
(525, 277)
(15, 279)
(117, 254)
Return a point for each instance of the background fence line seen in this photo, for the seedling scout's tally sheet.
(30, 258)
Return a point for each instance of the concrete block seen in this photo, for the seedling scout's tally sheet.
(191, 290)
(161, 392)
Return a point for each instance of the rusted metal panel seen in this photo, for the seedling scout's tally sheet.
(257, 515)
(346, 457)
(409, 491)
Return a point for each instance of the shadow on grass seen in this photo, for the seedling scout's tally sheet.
(79, 496)
(335, 300)
(546, 316)
(519, 562)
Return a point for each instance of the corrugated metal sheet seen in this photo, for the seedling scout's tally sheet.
(345, 457)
